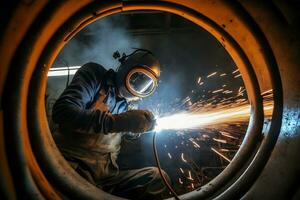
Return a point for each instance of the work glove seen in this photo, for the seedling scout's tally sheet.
(135, 121)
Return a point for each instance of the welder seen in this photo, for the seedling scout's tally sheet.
(93, 115)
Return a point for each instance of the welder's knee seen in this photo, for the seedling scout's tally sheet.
(156, 175)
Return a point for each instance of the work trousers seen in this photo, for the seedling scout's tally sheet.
(140, 184)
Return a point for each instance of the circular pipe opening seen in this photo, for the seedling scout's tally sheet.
(52, 163)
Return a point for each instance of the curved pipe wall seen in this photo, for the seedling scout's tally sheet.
(260, 37)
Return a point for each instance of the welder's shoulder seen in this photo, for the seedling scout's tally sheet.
(93, 68)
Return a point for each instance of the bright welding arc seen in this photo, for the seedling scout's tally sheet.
(192, 120)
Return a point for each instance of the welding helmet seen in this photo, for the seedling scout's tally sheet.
(138, 74)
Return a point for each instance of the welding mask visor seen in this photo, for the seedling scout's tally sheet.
(141, 82)
(137, 76)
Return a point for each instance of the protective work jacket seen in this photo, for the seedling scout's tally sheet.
(80, 113)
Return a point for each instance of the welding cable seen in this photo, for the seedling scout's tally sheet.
(159, 169)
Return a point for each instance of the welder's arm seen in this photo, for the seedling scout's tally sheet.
(135, 121)
(70, 112)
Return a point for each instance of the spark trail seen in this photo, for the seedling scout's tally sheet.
(195, 120)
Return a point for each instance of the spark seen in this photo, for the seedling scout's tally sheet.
(181, 170)
(224, 157)
(219, 140)
(190, 120)
(190, 176)
(228, 135)
(267, 91)
(240, 89)
(182, 158)
(241, 92)
(180, 181)
(199, 80)
(227, 91)
(193, 185)
(235, 71)
(186, 100)
(224, 150)
(236, 76)
(268, 95)
(169, 155)
(212, 74)
(216, 91)
(224, 74)
(194, 143)
(240, 100)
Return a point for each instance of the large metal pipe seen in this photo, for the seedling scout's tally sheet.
(263, 45)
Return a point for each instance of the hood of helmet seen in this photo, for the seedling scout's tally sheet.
(137, 76)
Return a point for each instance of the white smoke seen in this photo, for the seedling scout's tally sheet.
(97, 43)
